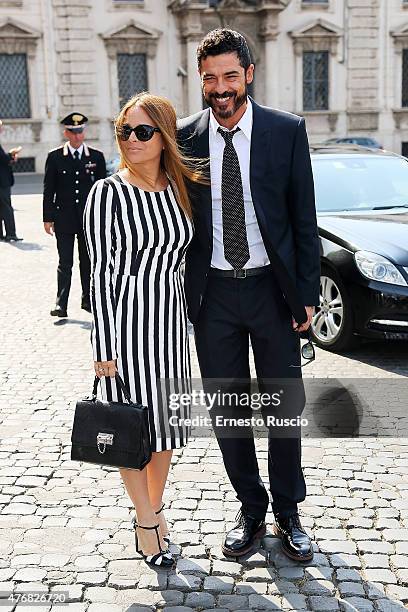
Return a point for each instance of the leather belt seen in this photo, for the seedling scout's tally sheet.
(244, 273)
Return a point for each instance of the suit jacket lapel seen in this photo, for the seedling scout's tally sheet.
(202, 150)
(260, 138)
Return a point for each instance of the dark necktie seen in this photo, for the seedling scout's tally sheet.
(76, 154)
(236, 249)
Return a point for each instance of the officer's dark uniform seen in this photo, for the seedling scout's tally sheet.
(6, 183)
(67, 182)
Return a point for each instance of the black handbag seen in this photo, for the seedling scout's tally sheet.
(111, 433)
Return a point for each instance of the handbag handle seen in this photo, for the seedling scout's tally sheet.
(121, 384)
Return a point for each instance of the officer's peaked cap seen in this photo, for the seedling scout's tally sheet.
(73, 121)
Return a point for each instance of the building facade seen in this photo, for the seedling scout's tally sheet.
(342, 64)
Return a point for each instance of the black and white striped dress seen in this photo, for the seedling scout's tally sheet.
(136, 241)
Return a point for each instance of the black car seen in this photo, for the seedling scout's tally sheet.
(362, 210)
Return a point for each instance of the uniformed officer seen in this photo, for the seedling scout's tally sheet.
(70, 172)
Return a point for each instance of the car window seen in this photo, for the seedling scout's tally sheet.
(357, 182)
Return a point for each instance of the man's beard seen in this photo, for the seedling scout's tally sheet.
(239, 100)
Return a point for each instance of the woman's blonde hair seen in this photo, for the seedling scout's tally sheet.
(178, 167)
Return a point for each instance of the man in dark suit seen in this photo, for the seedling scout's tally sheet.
(6, 183)
(70, 172)
(252, 274)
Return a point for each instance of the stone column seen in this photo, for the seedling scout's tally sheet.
(194, 96)
(76, 61)
(272, 72)
(268, 32)
(190, 32)
(363, 74)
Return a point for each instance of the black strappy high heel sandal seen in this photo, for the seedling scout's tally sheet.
(166, 538)
(161, 559)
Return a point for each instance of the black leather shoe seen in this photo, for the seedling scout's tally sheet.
(58, 312)
(12, 239)
(296, 544)
(86, 306)
(241, 539)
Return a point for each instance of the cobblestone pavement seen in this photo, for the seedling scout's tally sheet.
(66, 526)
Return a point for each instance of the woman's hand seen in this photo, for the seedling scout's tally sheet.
(105, 368)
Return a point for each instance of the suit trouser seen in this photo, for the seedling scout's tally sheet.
(233, 312)
(6, 211)
(65, 246)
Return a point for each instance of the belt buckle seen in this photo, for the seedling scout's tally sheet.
(240, 273)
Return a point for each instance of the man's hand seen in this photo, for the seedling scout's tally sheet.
(14, 153)
(49, 227)
(310, 310)
(105, 368)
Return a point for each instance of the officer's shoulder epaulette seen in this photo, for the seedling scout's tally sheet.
(95, 149)
(56, 149)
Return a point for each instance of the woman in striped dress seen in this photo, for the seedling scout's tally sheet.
(138, 226)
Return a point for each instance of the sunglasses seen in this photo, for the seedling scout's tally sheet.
(142, 132)
(307, 350)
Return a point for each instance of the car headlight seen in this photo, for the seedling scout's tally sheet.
(376, 267)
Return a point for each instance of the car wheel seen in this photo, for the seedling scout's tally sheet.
(332, 324)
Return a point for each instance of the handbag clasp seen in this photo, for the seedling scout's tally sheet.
(102, 439)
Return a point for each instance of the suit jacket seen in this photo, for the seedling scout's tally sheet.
(6, 172)
(67, 183)
(282, 191)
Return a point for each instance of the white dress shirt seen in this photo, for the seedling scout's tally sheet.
(242, 143)
(79, 149)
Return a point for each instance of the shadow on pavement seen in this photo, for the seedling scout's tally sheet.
(336, 412)
(388, 355)
(26, 246)
(68, 321)
(305, 586)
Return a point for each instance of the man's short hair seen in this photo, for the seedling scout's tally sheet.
(223, 40)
